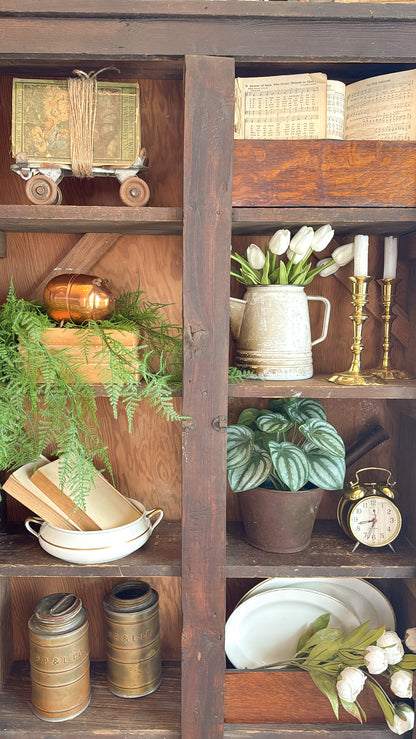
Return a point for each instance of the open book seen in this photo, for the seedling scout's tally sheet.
(309, 106)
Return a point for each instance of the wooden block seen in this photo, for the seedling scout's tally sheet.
(286, 696)
(95, 365)
(324, 173)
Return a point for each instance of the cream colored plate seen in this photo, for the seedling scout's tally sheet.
(266, 627)
(366, 601)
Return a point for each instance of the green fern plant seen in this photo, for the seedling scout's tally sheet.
(45, 402)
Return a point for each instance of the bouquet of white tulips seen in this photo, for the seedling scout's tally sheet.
(340, 666)
(260, 267)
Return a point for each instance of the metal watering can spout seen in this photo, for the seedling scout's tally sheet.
(237, 308)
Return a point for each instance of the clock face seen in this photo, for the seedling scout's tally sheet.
(375, 521)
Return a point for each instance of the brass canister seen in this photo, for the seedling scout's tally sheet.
(131, 615)
(59, 657)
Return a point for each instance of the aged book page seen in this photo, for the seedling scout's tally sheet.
(40, 122)
(335, 109)
(382, 108)
(281, 107)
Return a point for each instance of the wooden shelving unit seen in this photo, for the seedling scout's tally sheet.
(186, 55)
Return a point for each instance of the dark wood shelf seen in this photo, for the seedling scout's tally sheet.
(22, 556)
(156, 715)
(90, 219)
(328, 555)
(303, 731)
(320, 387)
(344, 220)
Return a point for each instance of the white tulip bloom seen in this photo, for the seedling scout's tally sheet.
(344, 254)
(330, 270)
(376, 660)
(255, 256)
(401, 683)
(404, 719)
(322, 237)
(410, 639)
(280, 241)
(302, 240)
(350, 683)
(392, 645)
(292, 255)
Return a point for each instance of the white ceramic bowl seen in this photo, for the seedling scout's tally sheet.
(96, 547)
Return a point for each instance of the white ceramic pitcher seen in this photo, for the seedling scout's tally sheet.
(272, 329)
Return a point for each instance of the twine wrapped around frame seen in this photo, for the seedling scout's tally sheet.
(82, 91)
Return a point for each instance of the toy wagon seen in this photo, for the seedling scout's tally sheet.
(58, 132)
(42, 180)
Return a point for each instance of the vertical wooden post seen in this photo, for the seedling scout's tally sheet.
(208, 134)
(6, 633)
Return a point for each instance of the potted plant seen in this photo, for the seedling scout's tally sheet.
(280, 460)
(46, 399)
(271, 324)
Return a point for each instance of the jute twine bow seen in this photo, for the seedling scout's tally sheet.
(82, 91)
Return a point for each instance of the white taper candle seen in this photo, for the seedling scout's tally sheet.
(390, 257)
(361, 256)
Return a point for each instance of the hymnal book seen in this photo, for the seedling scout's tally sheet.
(41, 128)
(309, 106)
(105, 506)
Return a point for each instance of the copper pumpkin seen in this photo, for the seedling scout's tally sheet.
(78, 298)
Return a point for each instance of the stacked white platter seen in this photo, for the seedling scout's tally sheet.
(266, 624)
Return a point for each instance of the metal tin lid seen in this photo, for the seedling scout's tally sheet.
(132, 595)
(58, 609)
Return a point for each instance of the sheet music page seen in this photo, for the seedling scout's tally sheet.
(335, 109)
(382, 107)
(281, 107)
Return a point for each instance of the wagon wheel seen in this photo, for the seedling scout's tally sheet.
(42, 190)
(134, 191)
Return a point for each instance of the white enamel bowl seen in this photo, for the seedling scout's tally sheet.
(96, 547)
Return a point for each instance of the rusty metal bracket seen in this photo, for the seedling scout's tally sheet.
(188, 424)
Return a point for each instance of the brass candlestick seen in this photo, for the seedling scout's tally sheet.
(354, 376)
(385, 372)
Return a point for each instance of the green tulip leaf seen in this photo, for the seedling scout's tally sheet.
(240, 441)
(326, 472)
(290, 463)
(383, 702)
(253, 473)
(324, 436)
(408, 662)
(323, 651)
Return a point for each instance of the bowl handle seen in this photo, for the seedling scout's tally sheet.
(155, 512)
(36, 520)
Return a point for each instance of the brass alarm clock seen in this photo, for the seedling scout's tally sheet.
(366, 511)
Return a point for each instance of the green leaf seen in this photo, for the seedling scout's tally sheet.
(408, 662)
(384, 703)
(327, 685)
(360, 638)
(253, 473)
(283, 280)
(326, 472)
(354, 710)
(240, 441)
(265, 274)
(290, 463)
(319, 624)
(323, 651)
(274, 423)
(325, 634)
(248, 417)
(324, 436)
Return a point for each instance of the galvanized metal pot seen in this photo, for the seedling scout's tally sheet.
(59, 657)
(131, 615)
(279, 521)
